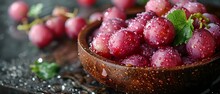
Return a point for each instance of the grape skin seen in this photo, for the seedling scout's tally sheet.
(195, 7)
(112, 25)
(86, 3)
(40, 35)
(57, 26)
(214, 29)
(159, 32)
(114, 12)
(167, 57)
(160, 7)
(95, 16)
(99, 45)
(123, 43)
(18, 10)
(73, 26)
(137, 61)
(201, 44)
(124, 4)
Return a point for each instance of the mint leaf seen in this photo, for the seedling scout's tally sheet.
(35, 10)
(183, 27)
(45, 70)
(142, 2)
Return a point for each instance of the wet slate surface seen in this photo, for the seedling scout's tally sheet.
(17, 53)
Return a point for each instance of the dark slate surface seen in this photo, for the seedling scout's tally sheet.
(17, 53)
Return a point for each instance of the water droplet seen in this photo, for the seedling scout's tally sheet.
(63, 87)
(33, 79)
(104, 73)
(40, 60)
(58, 76)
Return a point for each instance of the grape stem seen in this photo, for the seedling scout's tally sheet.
(202, 20)
(25, 26)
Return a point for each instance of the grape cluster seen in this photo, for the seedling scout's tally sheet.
(151, 38)
(56, 27)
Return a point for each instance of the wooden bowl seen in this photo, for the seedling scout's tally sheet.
(181, 79)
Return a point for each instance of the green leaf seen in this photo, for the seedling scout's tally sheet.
(142, 2)
(45, 70)
(183, 27)
(35, 10)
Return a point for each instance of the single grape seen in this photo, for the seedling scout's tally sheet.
(114, 13)
(86, 3)
(124, 4)
(137, 26)
(159, 32)
(18, 10)
(212, 18)
(112, 25)
(99, 45)
(214, 29)
(123, 43)
(73, 26)
(160, 7)
(178, 8)
(195, 7)
(59, 11)
(136, 61)
(40, 35)
(167, 57)
(95, 16)
(201, 44)
(57, 26)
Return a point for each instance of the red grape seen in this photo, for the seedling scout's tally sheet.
(99, 45)
(123, 43)
(195, 7)
(160, 7)
(212, 18)
(167, 57)
(214, 29)
(59, 11)
(73, 26)
(179, 8)
(86, 3)
(40, 35)
(180, 3)
(114, 13)
(95, 16)
(146, 15)
(201, 44)
(112, 25)
(57, 25)
(124, 4)
(18, 10)
(159, 32)
(136, 61)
